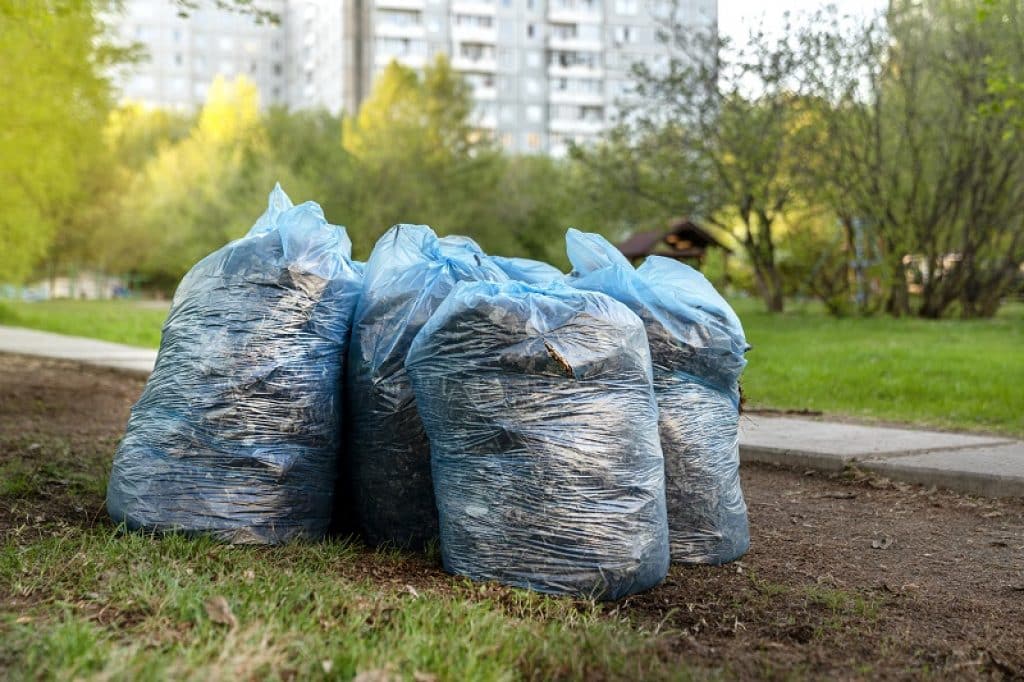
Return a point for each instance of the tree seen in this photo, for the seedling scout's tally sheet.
(710, 134)
(54, 100)
(940, 185)
(197, 194)
(420, 158)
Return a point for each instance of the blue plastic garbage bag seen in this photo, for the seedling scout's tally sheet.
(409, 274)
(528, 270)
(236, 434)
(697, 347)
(543, 427)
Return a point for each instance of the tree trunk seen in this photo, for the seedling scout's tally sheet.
(769, 286)
(898, 303)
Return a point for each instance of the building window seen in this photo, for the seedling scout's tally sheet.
(178, 59)
(626, 7)
(533, 141)
(530, 30)
(507, 141)
(624, 35)
(533, 59)
(531, 86)
(475, 53)
(398, 18)
(278, 70)
(474, 20)
(507, 58)
(534, 113)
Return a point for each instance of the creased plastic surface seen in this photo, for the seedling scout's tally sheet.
(236, 432)
(544, 432)
(528, 270)
(409, 274)
(697, 348)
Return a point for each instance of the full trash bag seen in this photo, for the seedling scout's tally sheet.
(409, 274)
(543, 428)
(697, 347)
(528, 270)
(236, 432)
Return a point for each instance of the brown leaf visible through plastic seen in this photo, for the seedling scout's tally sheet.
(557, 357)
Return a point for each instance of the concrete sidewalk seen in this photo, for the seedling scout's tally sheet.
(90, 351)
(983, 465)
(991, 466)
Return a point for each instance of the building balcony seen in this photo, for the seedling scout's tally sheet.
(474, 7)
(397, 31)
(575, 126)
(400, 4)
(413, 61)
(556, 42)
(570, 97)
(572, 15)
(488, 121)
(485, 93)
(575, 71)
(474, 34)
(480, 65)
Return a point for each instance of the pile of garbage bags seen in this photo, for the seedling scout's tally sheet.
(567, 433)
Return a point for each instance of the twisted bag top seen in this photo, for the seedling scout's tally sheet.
(544, 434)
(409, 274)
(701, 331)
(236, 432)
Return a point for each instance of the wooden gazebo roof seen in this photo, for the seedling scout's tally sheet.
(683, 239)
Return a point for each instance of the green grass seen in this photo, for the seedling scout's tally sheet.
(136, 323)
(135, 607)
(84, 601)
(946, 373)
(943, 373)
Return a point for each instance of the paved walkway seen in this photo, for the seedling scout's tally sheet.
(90, 351)
(983, 465)
(991, 466)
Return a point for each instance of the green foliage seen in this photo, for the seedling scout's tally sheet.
(194, 195)
(53, 102)
(419, 158)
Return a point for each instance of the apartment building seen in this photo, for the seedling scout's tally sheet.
(184, 55)
(543, 72)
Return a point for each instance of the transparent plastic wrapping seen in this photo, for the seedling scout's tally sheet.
(409, 274)
(528, 270)
(697, 349)
(544, 433)
(236, 432)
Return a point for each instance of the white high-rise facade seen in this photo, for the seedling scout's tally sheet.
(543, 72)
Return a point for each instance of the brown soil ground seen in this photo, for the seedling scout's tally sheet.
(848, 576)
